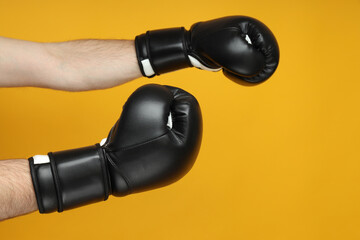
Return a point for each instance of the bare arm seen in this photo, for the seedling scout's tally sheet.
(17, 193)
(78, 65)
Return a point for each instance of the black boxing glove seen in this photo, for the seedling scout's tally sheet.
(242, 46)
(145, 149)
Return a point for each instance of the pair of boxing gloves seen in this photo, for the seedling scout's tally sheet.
(157, 138)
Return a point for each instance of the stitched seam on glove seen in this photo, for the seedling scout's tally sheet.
(135, 145)
(129, 187)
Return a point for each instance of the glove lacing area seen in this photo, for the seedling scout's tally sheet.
(106, 152)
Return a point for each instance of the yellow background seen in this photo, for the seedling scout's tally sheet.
(280, 160)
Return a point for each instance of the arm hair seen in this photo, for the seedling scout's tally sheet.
(17, 196)
(78, 65)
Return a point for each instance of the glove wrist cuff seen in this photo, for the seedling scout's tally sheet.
(70, 179)
(162, 51)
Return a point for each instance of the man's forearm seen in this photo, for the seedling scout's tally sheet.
(17, 195)
(78, 65)
(94, 64)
